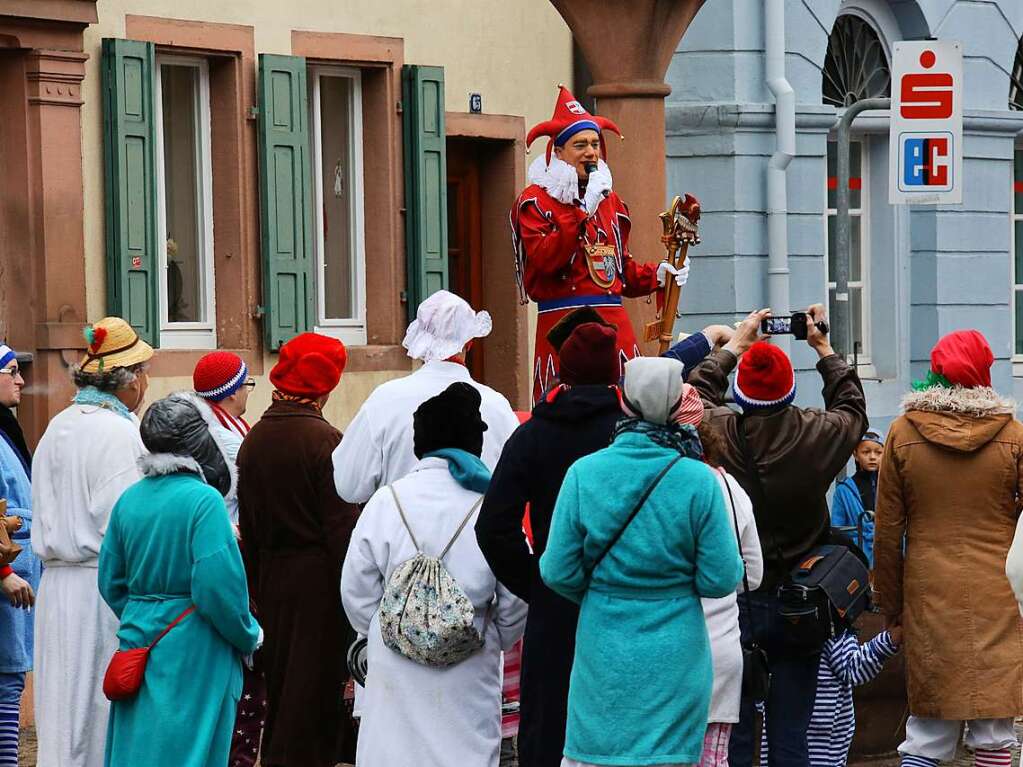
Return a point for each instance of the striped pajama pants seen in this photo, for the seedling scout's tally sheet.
(11, 688)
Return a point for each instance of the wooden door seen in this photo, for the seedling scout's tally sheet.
(465, 252)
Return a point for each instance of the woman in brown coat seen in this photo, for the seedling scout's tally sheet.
(295, 532)
(950, 481)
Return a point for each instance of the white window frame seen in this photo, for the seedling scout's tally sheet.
(188, 335)
(1017, 286)
(863, 360)
(351, 331)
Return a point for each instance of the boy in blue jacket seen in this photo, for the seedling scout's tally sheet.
(855, 495)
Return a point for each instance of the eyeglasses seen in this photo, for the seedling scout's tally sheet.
(250, 384)
(12, 372)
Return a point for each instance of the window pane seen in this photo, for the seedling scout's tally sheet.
(832, 248)
(855, 259)
(1018, 245)
(1017, 182)
(180, 101)
(856, 317)
(832, 172)
(335, 141)
(855, 173)
(1019, 321)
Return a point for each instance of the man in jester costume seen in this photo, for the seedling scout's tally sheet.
(570, 232)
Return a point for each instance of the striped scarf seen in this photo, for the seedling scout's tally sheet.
(238, 425)
(279, 396)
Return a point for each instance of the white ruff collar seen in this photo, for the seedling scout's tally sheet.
(559, 179)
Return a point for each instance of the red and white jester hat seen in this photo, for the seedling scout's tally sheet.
(569, 118)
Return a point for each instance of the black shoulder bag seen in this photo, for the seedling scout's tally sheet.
(756, 670)
(828, 585)
(632, 515)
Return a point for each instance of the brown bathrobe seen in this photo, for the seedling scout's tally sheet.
(951, 480)
(295, 530)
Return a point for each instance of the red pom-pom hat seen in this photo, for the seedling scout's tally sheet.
(765, 378)
(569, 118)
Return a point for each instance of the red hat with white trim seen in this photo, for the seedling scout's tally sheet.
(569, 118)
(765, 378)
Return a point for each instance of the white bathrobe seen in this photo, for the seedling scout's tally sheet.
(377, 446)
(414, 714)
(722, 615)
(85, 460)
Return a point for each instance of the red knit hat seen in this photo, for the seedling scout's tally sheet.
(964, 358)
(218, 375)
(310, 365)
(590, 356)
(569, 118)
(765, 378)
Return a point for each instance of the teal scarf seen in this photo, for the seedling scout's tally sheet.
(90, 395)
(467, 469)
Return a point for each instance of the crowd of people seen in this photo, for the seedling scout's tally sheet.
(622, 576)
(627, 543)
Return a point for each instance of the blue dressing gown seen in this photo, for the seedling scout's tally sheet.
(169, 545)
(16, 624)
(641, 682)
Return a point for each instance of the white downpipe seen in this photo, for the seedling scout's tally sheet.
(785, 150)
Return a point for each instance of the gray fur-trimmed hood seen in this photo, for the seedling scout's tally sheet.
(183, 434)
(978, 402)
(215, 431)
(161, 464)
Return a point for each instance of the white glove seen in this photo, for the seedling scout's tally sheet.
(681, 275)
(597, 187)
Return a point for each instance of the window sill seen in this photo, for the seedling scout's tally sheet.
(1017, 367)
(349, 335)
(361, 359)
(188, 340)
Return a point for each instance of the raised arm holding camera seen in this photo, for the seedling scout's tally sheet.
(785, 457)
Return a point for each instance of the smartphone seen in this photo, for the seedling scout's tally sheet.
(793, 325)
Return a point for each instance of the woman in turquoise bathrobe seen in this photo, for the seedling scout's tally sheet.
(169, 545)
(641, 681)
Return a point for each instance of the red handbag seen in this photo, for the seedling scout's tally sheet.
(124, 675)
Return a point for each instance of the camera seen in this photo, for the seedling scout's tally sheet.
(794, 325)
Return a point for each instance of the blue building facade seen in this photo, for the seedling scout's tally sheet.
(916, 272)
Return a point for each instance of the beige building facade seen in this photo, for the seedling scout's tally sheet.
(229, 174)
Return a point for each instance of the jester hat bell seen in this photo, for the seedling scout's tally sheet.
(569, 118)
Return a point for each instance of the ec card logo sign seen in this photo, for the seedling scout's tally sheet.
(926, 141)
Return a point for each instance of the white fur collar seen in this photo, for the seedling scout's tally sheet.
(980, 401)
(559, 179)
(159, 464)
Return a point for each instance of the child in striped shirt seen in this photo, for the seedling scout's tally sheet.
(845, 663)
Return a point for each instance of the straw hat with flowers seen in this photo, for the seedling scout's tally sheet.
(113, 343)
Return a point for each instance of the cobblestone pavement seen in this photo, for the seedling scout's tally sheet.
(964, 758)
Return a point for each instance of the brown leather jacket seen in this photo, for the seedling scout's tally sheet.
(797, 452)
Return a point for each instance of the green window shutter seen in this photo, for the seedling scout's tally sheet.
(285, 198)
(129, 138)
(426, 182)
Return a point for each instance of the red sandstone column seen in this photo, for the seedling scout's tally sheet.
(56, 204)
(628, 45)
